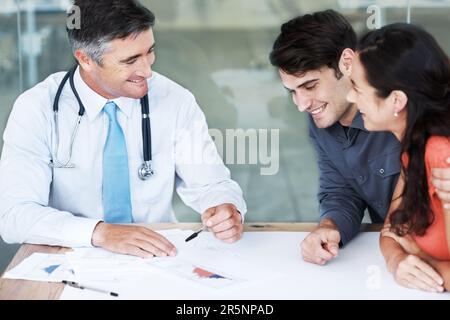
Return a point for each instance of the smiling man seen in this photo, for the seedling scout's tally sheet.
(358, 169)
(71, 182)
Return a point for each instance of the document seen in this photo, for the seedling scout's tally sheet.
(42, 267)
(204, 260)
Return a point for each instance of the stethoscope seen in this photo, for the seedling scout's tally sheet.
(145, 170)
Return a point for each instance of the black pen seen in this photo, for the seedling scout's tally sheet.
(79, 286)
(195, 234)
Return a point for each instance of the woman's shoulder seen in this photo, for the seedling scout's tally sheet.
(437, 150)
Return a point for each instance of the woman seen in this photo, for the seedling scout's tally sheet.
(401, 83)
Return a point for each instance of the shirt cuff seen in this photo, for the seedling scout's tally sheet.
(79, 232)
(341, 225)
(238, 203)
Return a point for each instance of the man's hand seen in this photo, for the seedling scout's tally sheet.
(224, 221)
(412, 272)
(441, 181)
(133, 240)
(321, 245)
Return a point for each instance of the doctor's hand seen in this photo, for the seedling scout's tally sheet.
(441, 181)
(321, 245)
(224, 221)
(132, 240)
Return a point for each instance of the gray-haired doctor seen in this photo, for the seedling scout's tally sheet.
(69, 170)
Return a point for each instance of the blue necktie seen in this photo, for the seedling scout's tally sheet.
(116, 179)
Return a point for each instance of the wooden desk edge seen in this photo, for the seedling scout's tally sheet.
(11, 289)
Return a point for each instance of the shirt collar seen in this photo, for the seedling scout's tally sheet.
(337, 130)
(358, 122)
(94, 103)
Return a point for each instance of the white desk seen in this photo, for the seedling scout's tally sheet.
(358, 273)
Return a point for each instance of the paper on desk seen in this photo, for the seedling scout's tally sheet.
(42, 267)
(204, 260)
(103, 265)
(359, 272)
(219, 258)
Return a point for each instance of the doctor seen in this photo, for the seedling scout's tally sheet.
(70, 178)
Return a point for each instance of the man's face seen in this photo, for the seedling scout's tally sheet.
(126, 66)
(321, 94)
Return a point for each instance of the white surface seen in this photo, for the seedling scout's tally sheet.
(358, 273)
(34, 268)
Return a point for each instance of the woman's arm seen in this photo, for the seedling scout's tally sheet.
(408, 268)
(392, 251)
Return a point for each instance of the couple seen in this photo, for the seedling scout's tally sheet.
(380, 122)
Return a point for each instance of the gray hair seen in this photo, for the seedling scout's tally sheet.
(103, 21)
(94, 50)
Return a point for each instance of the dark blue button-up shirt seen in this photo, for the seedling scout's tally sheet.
(358, 171)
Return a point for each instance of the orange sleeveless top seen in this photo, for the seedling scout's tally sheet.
(434, 241)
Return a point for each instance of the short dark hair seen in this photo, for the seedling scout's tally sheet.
(312, 41)
(105, 20)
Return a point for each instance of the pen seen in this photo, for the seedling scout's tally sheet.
(196, 233)
(79, 286)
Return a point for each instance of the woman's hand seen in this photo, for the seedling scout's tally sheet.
(412, 272)
(407, 242)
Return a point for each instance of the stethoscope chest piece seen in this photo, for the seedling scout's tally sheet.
(145, 171)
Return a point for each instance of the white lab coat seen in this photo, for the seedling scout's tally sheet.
(60, 206)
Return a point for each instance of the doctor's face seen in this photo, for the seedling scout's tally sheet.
(321, 94)
(126, 66)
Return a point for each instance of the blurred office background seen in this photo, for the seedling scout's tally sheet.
(219, 50)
